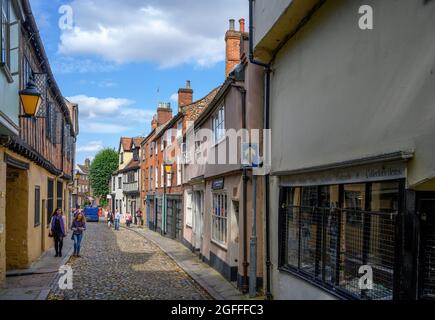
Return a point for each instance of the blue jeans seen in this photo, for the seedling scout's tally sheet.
(116, 224)
(77, 243)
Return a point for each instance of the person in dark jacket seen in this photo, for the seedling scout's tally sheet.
(78, 226)
(57, 231)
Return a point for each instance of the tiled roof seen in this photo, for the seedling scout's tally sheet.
(126, 144)
(194, 110)
(138, 141)
(133, 165)
(82, 169)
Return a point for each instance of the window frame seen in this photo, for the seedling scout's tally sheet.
(335, 288)
(37, 207)
(218, 125)
(220, 221)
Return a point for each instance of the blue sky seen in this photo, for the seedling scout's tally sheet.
(118, 59)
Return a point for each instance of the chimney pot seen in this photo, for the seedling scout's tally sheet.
(242, 25)
(188, 84)
(232, 24)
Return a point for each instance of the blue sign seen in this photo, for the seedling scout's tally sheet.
(218, 184)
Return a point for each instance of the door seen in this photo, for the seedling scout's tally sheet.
(198, 219)
(427, 248)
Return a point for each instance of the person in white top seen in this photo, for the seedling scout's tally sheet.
(117, 220)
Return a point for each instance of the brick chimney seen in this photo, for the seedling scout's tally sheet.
(164, 113)
(232, 40)
(185, 96)
(154, 123)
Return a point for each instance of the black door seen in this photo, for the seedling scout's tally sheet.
(427, 248)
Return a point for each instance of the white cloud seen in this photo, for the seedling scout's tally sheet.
(167, 32)
(101, 127)
(91, 146)
(68, 65)
(174, 97)
(92, 107)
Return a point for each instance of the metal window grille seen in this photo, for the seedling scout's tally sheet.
(40, 80)
(220, 218)
(329, 245)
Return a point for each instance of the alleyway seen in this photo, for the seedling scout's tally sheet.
(125, 266)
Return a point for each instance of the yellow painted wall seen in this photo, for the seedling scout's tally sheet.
(16, 219)
(33, 238)
(2, 219)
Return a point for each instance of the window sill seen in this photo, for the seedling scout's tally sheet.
(6, 72)
(189, 226)
(220, 245)
(337, 293)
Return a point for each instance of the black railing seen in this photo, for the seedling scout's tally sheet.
(329, 247)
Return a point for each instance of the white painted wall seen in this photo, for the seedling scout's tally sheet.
(340, 93)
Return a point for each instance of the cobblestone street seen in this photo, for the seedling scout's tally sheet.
(125, 266)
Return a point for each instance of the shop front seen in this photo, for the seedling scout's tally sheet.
(341, 232)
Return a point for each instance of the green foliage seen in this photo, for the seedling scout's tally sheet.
(104, 164)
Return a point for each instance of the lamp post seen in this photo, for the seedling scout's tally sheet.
(168, 170)
(31, 99)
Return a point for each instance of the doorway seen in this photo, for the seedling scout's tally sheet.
(17, 193)
(426, 208)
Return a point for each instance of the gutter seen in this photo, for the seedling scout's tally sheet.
(268, 71)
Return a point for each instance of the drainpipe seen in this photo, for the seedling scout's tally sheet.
(266, 126)
(253, 243)
(245, 284)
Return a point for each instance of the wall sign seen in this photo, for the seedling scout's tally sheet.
(218, 184)
(368, 173)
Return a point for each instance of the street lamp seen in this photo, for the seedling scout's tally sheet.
(31, 99)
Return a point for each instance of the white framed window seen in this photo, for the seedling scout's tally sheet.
(180, 129)
(218, 122)
(179, 171)
(189, 213)
(162, 144)
(219, 227)
(157, 177)
(162, 176)
(168, 180)
(155, 145)
(5, 33)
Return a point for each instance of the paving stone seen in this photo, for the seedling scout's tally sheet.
(121, 265)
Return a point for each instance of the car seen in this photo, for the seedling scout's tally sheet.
(91, 214)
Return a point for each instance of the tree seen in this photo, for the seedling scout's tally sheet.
(104, 164)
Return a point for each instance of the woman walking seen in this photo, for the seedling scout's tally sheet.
(57, 231)
(78, 226)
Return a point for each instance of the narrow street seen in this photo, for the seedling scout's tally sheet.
(125, 266)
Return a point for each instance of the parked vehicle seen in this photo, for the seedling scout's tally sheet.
(91, 214)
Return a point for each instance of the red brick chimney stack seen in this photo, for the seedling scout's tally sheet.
(185, 96)
(242, 25)
(232, 40)
(164, 113)
(154, 123)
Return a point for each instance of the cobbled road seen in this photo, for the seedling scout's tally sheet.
(122, 265)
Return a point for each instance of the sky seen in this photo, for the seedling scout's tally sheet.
(118, 59)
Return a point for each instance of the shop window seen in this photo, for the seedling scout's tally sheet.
(220, 218)
(328, 232)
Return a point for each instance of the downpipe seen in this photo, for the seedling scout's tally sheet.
(268, 71)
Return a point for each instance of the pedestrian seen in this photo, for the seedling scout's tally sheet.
(57, 231)
(117, 220)
(128, 220)
(78, 226)
(110, 219)
(139, 217)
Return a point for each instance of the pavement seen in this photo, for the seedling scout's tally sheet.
(207, 277)
(35, 282)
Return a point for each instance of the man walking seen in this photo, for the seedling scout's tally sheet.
(117, 220)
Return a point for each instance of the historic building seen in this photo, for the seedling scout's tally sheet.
(218, 186)
(82, 186)
(125, 182)
(37, 151)
(352, 180)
